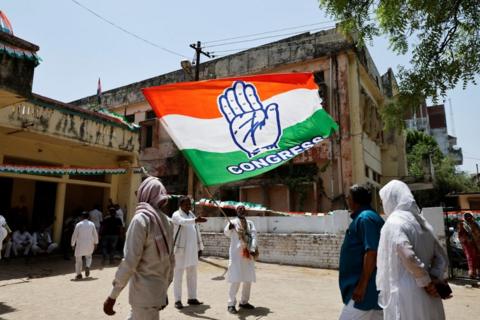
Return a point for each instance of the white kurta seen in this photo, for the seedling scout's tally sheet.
(240, 269)
(187, 239)
(96, 216)
(84, 238)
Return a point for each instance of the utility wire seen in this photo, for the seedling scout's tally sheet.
(128, 32)
(263, 38)
(267, 45)
(272, 31)
(271, 44)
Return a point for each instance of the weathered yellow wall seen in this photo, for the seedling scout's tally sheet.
(56, 139)
(52, 122)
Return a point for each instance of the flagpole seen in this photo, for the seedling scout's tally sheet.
(216, 203)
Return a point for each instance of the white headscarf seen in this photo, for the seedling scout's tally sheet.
(398, 203)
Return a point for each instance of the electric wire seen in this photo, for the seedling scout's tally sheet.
(263, 46)
(271, 31)
(263, 38)
(127, 31)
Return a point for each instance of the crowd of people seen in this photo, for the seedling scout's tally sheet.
(390, 268)
(21, 242)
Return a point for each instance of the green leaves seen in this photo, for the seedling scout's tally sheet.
(443, 37)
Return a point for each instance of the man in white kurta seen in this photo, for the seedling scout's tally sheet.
(188, 243)
(241, 267)
(96, 216)
(22, 240)
(410, 259)
(84, 239)
(148, 260)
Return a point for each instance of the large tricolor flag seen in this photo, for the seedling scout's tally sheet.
(236, 128)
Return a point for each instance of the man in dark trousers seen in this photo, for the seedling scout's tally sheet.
(358, 258)
(110, 231)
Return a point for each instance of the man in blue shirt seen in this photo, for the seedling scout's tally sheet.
(358, 258)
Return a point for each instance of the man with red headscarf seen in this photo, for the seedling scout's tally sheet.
(148, 261)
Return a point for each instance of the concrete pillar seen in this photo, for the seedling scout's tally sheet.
(59, 211)
(133, 183)
(112, 192)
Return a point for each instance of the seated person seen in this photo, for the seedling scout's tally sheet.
(22, 240)
(42, 242)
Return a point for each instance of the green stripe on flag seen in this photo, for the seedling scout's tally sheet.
(211, 167)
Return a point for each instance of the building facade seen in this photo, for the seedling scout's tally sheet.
(57, 159)
(353, 93)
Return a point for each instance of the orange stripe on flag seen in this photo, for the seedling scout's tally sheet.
(199, 99)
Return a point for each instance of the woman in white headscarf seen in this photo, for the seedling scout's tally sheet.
(410, 259)
(148, 261)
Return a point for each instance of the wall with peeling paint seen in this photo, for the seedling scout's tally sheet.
(52, 122)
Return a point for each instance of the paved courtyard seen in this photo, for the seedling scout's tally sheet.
(43, 289)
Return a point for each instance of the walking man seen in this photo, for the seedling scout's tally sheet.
(148, 256)
(241, 267)
(358, 258)
(84, 240)
(110, 231)
(188, 244)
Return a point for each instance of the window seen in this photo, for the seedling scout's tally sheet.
(367, 172)
(147, 136)
(130, 118)
(150, 115)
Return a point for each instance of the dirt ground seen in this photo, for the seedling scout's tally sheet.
(44, 289)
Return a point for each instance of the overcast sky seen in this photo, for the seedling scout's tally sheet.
(77, 47)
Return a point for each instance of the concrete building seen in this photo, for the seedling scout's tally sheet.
(57, 159)
(353, 91)
(433, 121)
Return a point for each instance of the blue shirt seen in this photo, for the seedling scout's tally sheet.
(362, 235)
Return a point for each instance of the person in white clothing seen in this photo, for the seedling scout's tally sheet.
(96, 216)
(188, 244)
(411, 263)
(84, 240)
(4, 235)
(42, 242)
(148, 256)
(241, 267)
(22, 240)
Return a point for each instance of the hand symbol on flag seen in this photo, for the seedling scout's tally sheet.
(253, 126)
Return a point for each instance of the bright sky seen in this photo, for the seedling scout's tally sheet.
(77, 47)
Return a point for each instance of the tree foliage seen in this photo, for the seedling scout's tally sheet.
(443, 37)
(423, 152)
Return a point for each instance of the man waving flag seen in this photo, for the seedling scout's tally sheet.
(235, 128)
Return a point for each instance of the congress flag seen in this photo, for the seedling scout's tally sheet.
(235, 128)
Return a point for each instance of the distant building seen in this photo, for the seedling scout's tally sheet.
(432, 121)
(353, 92)
(438, 129)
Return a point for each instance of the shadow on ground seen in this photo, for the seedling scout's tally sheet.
(225, 269)
(43, 266)
(197, 311)
(5, 308)
(258, 312)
